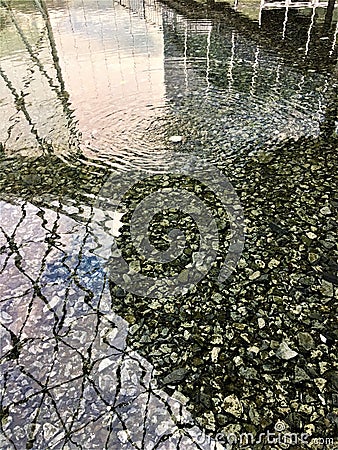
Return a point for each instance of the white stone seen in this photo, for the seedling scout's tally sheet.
(255, 275)
(214, 354)
(176, 139)
(285, 352)
(273, 263)
(320, 382)
(326, 211)
(123, 436)
(309, 428)
(232, 405)
(254, 349)
(104, 364)
(323, 338)
(261, 322)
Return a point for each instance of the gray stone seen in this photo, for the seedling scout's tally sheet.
(326, 288)
(305, 340)
(176, 376)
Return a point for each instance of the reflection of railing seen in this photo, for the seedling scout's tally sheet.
(314, 4)
(271, 4)
(237, 50)
(150, 10)
(267, 4)
(293, 4)
(288, 4)
(324, 38)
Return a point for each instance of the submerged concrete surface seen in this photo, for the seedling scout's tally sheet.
(69, 379)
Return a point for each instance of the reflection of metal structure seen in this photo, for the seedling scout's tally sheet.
(319, 58)
(288, 4)
(292, 4)
(255, 55)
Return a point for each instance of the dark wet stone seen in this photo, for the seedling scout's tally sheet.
(175, 377)
(332, 377)
(305, 340)
(330, 277)
(120, 293)
(278, 229)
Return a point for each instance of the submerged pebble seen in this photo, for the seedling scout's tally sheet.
(176, 139)
(285, 352)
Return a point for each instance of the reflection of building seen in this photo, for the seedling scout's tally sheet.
(111, 61)
(150, 10)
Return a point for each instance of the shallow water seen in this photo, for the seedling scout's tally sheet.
(121, 81)
(91, 90)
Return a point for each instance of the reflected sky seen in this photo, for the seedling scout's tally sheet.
(114, 61)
